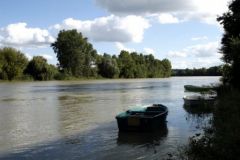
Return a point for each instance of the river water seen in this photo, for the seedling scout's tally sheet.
(76, 120)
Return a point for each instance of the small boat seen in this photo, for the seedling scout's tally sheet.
(142, 118)
(199, 100)
(192, 88)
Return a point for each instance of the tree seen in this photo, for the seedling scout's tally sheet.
(230, 41)
(75, 54)
(1, 64)
(12, 63)
(126, 65)
(134, 65)
(167, 67)
(108, 67)
(39, 69)
(235, 65)
(140, 69)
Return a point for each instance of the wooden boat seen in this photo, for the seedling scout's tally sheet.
(192, 88)
(142, 118)
(198, 100)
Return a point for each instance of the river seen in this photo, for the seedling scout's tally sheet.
(76, 119)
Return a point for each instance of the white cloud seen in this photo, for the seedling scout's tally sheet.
(29, 56)
(177, 54)
(201, 50)
(201, 55)
(180, 64)
(204, 50)
(203, 10)
(19, 34)
(121, 47)
(199, 38)
(124, 7)
(110, 29)
(209, 9)
(166, 18)
(148, 51)
(47, 56)
(195, 63)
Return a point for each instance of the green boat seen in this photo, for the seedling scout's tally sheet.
(192, 88)
(142, 118)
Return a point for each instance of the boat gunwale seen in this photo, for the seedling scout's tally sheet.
(144, 116)
(148, 117)
(199, 98)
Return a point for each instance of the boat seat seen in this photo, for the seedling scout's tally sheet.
(149, 109)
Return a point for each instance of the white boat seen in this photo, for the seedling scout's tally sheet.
(199, 100)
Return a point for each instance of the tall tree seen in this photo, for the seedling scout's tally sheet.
(126, 65)
(167, 67)
(39, 69)
(108, 67)
(1, 64)
(75, 54)
(12, 63)
(230, 40)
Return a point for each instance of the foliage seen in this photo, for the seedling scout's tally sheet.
(108, 67)
(78, 60)
(39, 69)
(126, 65)
(230, 42)
(12, 63)
(212, 71)
(235, 65)
(134, 65)
(75, 54)
(167, 67)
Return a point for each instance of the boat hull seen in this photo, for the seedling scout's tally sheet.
(144, 121)
(199, 101)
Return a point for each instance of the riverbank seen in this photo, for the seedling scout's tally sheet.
(66, 79)
(221, 139)
(99, 78)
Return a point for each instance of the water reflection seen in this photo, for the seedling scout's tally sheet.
(102, 87)
(198, 116)
(143, 138)
(198, 109)
(74, 113)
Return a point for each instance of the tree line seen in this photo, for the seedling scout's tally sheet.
(78, 59)
(211, 71)
(15, 65)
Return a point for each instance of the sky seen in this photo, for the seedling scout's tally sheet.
(184, 31)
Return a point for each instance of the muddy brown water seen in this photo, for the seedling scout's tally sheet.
(76, 119)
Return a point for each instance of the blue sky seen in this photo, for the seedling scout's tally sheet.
(184, 31)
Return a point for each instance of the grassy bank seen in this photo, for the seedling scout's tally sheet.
(62, 79)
